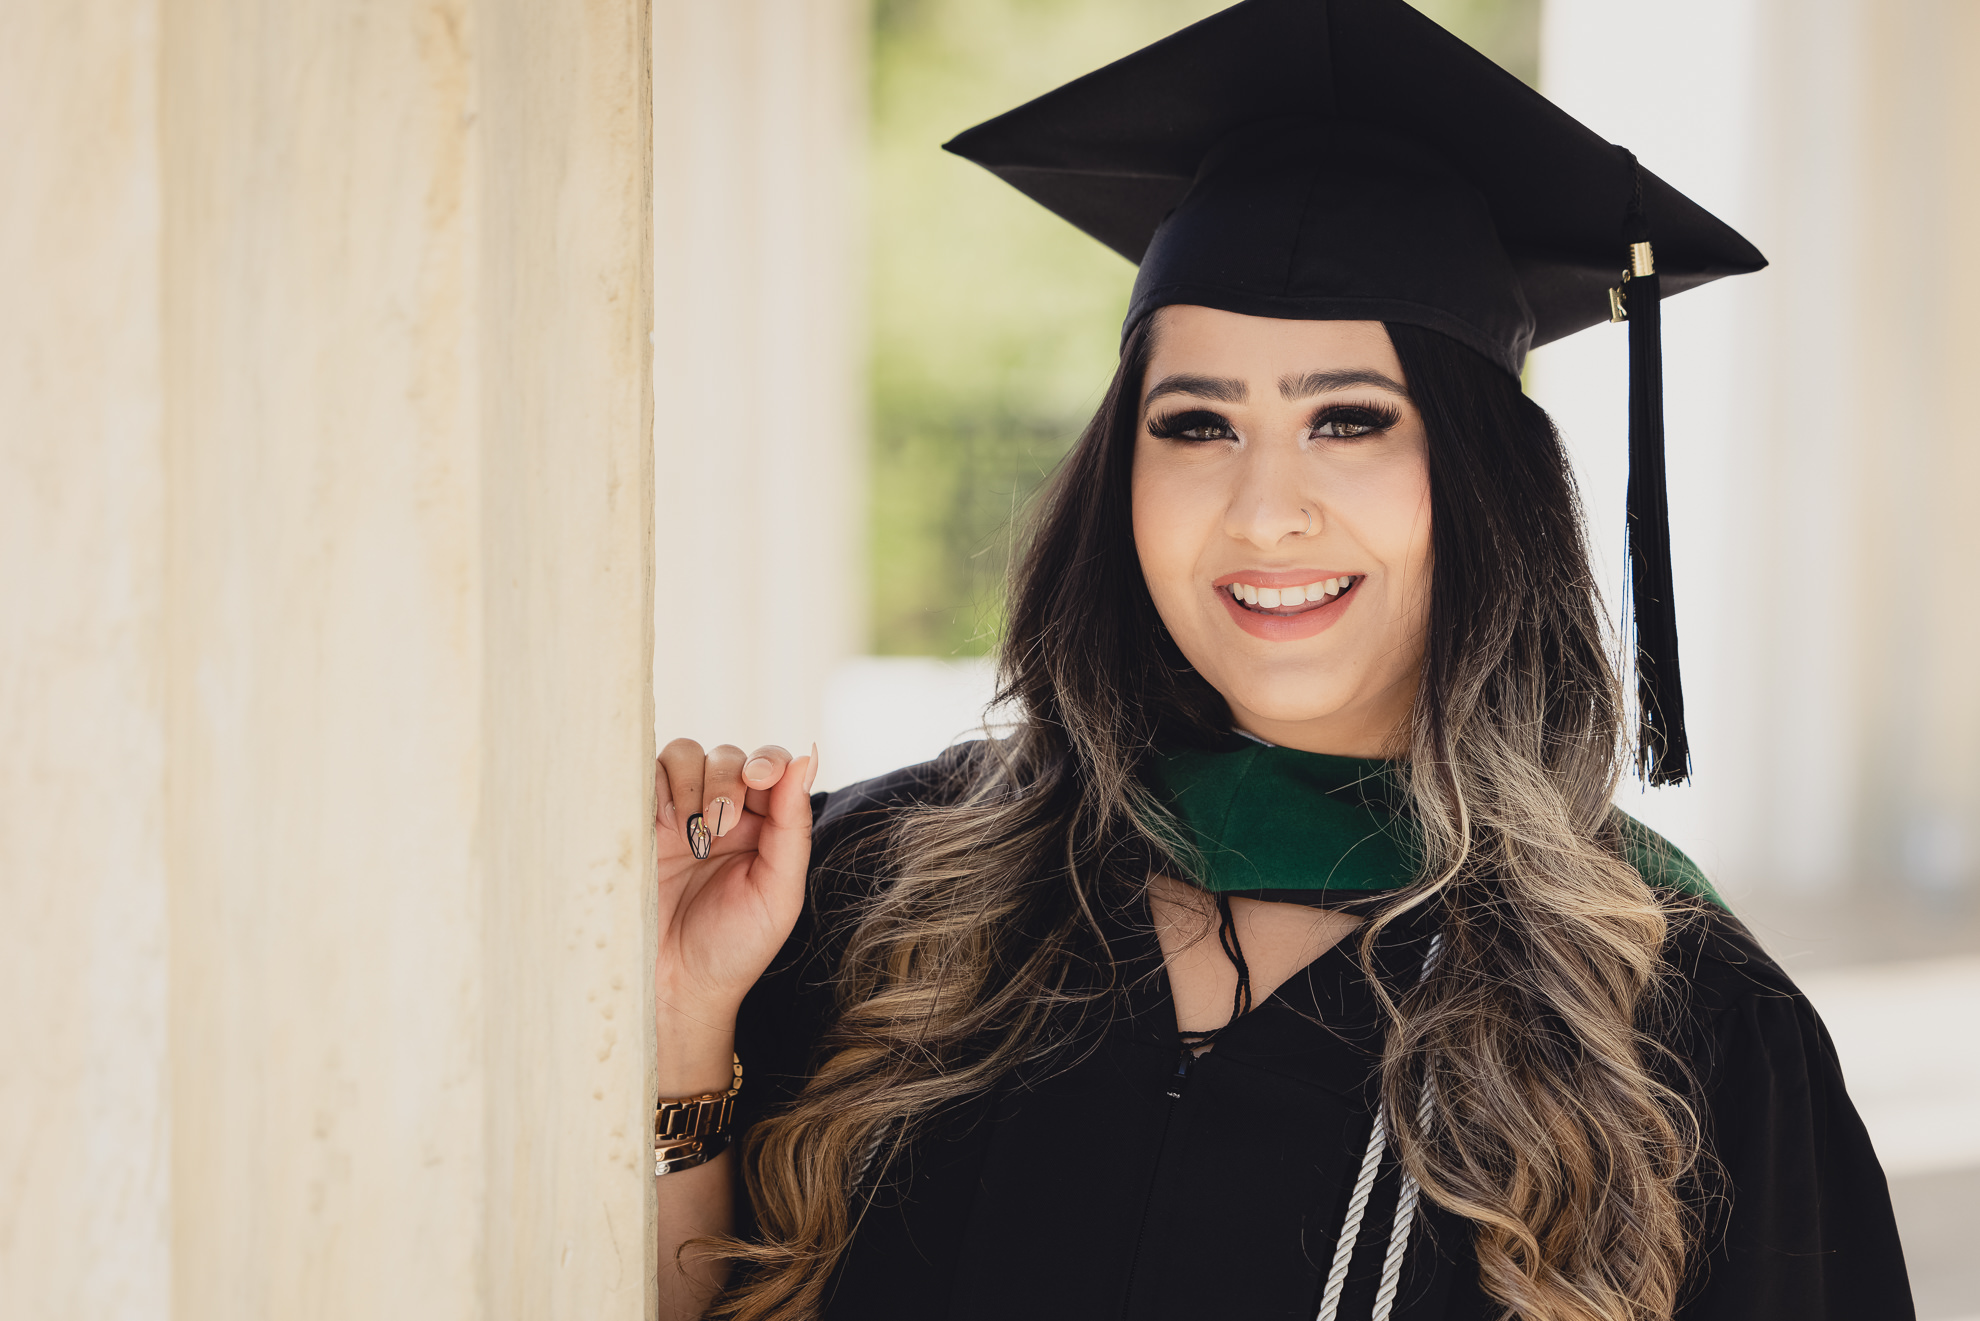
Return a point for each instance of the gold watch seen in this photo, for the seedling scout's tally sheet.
(694, 1130)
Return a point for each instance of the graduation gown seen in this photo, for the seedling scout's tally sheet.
(1123, 1179)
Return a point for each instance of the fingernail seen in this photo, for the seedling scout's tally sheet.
(724, 810)
(811, 772)
(668, 816)
(757, 768)
(698, 838)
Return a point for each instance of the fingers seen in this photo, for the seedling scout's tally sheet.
(790, 798)
(763, 769)
(786, 840)
(722, 789)
(701, 796)
(678, 788)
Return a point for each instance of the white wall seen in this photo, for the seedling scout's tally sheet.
(1815, 425)
(1688, 109)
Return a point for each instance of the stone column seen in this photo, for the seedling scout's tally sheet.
(84, 1216)
(325, 688)
(407, 389)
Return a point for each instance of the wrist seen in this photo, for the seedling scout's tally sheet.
(692, 1058)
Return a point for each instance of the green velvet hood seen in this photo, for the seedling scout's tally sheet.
(1276, 823)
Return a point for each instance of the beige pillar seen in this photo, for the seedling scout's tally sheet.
(407, 307)
(83, 1137)
(759, 429)
(325, 707)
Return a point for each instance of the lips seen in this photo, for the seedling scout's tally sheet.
(1278, 607)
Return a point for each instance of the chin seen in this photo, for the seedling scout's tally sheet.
(1289, 702)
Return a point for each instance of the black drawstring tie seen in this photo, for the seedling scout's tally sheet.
(1241, 998)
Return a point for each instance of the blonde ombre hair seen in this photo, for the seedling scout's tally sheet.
(1552, 1133)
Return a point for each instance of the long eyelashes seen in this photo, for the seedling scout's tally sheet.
(1331, 422)
(1191, 424)
(1348, 421)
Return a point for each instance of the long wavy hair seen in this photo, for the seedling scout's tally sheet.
(1554, 1132)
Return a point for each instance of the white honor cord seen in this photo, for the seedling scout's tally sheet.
(1364, 1183)
(1371, 1161)
(872, 1154)
(1406, 1194)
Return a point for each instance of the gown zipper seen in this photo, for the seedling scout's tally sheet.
(1173, 1088)
(1180, 1078)
(1178, 1081)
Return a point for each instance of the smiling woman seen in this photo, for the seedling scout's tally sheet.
(1304, 652)
(1275, 456)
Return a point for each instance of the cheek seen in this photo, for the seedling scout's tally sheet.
(1384, 510)
(1168, 527)
(1400, 529)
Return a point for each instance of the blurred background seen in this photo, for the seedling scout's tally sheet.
(327, 427)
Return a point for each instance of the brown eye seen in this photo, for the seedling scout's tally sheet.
(1341, 428)
(1352, 422)
(1193, 425)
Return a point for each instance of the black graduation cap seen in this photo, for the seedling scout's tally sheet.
(1352, 160)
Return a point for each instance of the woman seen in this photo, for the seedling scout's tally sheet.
(1289, 958)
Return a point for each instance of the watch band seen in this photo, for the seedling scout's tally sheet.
(693, 1130)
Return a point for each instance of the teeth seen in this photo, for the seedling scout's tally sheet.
(1271, 598)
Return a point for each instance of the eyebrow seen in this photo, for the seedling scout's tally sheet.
(1229, 390)
(1224, 389)
(1305, 387)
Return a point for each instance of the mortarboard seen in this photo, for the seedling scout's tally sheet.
(1352, 160)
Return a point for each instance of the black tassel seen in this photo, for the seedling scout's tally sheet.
(1663, 750)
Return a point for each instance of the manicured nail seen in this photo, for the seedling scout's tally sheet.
(724, 811)
(757, 768)
(668, 816)
(699, 840)
(811, 771)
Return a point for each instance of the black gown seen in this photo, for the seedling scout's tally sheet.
(1107, 1186)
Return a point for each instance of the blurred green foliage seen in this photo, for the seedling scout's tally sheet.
(995, 323)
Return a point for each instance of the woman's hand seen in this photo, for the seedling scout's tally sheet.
(724, 915)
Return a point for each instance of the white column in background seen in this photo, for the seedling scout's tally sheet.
(1753, 470)
(759, 358)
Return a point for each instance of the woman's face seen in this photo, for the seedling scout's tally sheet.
(1283, 463)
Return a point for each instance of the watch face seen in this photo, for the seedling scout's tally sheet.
(666, 1160)
(669, 1157)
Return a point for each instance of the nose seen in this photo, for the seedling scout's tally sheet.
(1266, 508)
